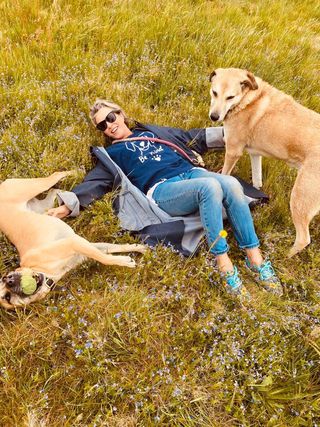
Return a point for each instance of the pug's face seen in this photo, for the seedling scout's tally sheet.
(21, 287)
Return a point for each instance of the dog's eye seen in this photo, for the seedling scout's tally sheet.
(7, 297)
(229, 97)
(214, 93)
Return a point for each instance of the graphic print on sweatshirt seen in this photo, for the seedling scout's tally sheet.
(146, 148)
(146, 162)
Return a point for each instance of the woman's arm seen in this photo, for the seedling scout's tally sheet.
(199, 140)
(95, 185)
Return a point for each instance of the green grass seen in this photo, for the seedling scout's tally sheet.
(160, 345)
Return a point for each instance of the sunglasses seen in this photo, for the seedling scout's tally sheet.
(110, 118)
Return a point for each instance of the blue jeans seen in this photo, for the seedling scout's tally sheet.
(204, 191)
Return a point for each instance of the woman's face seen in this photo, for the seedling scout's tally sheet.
(115, 130)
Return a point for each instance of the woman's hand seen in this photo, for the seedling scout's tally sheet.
(59, 212)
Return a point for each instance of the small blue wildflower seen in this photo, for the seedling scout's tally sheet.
(176, 392)
(118, 315)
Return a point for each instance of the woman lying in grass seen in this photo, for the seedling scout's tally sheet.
(159, 163)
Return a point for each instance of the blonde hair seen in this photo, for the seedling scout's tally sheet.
(102, 103)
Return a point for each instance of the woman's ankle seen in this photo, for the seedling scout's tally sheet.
(224, 263)
(254, 256)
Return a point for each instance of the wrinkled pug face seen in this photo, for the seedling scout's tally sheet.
(21, 287)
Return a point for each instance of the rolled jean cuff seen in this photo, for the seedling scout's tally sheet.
(221, 252)
(251, 246)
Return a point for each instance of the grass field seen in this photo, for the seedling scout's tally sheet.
(161, 345)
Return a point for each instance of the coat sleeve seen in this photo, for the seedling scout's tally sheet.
(95, 185)
(206, 139)
(199, 140)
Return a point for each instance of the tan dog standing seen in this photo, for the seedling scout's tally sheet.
(267, 122)
(47, 246)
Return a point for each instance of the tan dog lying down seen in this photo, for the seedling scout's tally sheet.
(47, 246)
(267, 122)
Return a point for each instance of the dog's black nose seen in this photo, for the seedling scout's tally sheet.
(9, 279)
(214, 117)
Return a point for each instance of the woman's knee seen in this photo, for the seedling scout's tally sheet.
(232, 186)
(210, 187)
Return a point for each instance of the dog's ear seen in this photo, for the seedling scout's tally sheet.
(212, 75)
(250, 82)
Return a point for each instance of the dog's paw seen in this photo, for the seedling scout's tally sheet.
(257, 184)
(298, 247)
(73, 172)
(125, 261)
(64, 174)
(139, 248)
(293, 251)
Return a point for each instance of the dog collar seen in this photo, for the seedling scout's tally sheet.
(48, 282)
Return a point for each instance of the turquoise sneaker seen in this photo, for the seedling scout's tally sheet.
(267, 277)
(233, 284)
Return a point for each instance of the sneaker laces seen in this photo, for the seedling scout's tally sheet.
(232, 278)
(266, 271)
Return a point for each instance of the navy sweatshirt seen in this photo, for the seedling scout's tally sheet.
(146, 162)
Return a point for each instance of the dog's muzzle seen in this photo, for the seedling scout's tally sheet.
(214, 117)
(14, 284)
